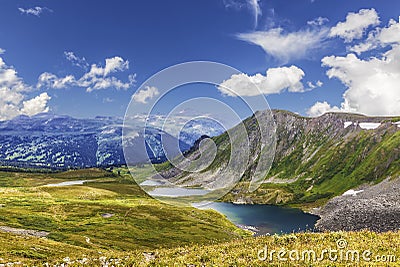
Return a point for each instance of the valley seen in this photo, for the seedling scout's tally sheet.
(110, 221)
(98, 215)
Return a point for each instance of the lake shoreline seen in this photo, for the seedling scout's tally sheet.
(254, 228)
(266, 219)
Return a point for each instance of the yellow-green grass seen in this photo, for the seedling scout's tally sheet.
(370, 247)
(139, 172)
(74, 217)
(251, 251)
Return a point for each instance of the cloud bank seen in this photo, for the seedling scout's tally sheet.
(372, 83)
(355, 25)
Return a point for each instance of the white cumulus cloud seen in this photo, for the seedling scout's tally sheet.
(391, 34)
(372, 84)
(275, 81)
(312, 85)
(96, 78)
(13, 95)
(10, 79)
(355, 25)
(144, 94)
(320, 108)
(115, 64)
(50, 80)
(36, 105)
(380, 37)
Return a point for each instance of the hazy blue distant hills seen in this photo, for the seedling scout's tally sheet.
(58, 141)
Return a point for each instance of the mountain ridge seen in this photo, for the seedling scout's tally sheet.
(316, 158)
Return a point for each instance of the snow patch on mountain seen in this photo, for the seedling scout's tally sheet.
(369, 125)
(352, 192)
(347, 124)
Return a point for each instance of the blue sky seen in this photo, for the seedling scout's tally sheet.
(88, 58)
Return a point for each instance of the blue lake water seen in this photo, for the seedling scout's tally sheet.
(267, 219)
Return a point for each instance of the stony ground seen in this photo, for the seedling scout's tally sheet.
(376, 208)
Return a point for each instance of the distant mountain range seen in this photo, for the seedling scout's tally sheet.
(62, 142)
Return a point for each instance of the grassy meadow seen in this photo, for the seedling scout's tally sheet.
(108, 213)
(110, 221)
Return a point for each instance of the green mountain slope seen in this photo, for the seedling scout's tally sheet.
(315, 159)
